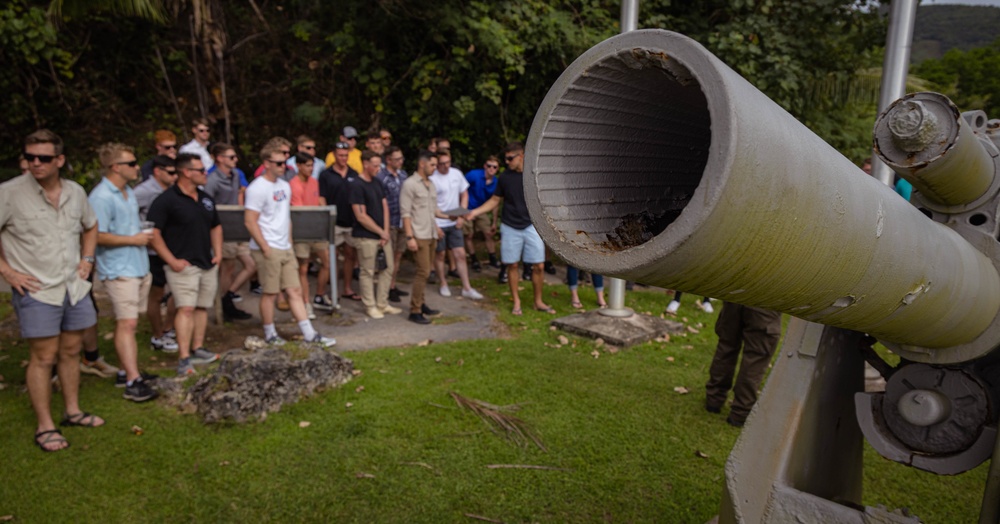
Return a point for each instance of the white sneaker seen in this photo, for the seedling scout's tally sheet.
(324, 341)
(706, 306)
(672, 307)
(375, 313)
(472, 294)
(164, 344)
(390, 310)
(445, 292)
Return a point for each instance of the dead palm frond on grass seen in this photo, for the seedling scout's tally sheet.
(500, 420)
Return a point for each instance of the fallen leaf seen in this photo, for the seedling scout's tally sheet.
(137, 430)
(498, 349)
(684, 319)
(612, 350)
(355, 372)
(109, 336)
(349, 404)
(700, 454)
(595, 353)
(6, 518)
(153, 359)
(552, 328)
(599, 342)
(3, 386)
(363, 475)
(699, 325)
(663, 339)
(24, 363)
(224, 463)
(682, 390)
(401, 353)
(359, 389)
(687, 347)
(460, 362)
(437, 359)
(305, 424)
(409, 371)
(423, 343)
(383, 371)
(670, 359)
(693, 330)
(563, 340)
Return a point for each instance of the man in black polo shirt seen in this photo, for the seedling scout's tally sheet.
(520, 240)
(188, 237)
(335, 186)
(371, 232)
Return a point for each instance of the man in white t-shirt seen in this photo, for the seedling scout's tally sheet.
(199, 145)
(452, 193)
(268, 219)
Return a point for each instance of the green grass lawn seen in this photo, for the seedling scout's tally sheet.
(399, 450)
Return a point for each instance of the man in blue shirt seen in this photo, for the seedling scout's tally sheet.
(122, 262)
(482, 184)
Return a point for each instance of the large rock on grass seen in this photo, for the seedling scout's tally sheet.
(258, 380)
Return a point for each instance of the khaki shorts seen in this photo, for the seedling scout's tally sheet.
(304, 249)
(342, 235)
(481, 223)
(397, 237)
(194, 286)
(129, 295)
(278, 271)
(235, 249)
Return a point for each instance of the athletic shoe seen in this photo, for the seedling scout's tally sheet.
(454, 274)
(550, 268)
(120, 380)
(389, 310)
(276, 341)
(323, 303)
(494, 262)
(375, 313)
(672, 307)
(231, 312)
(235, 297)
(735, 423)
(170, 333)
(445, 292)
(164, 344)
(401, 292)
(394, 295)
(185, 370)
(502, 276)
(99, 367)
(472, 294)
(255, 288)
(706, 306)
(428, 311)
(526, 273)
(475, 265)
(203, 356)
(139, 391)
(418, 318)
(324, 341)
(432, 277)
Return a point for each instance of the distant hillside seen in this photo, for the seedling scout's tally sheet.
(943, 27)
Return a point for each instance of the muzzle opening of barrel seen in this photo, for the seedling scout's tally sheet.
(623, 151)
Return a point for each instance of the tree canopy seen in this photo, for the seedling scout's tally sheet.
(473, 71)
(970, 78)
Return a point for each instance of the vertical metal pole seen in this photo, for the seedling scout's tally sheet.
(895, 67)
(616, 286)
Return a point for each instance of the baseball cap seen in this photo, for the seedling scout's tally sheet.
(350, 132)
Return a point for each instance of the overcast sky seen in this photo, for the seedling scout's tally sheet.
(994, 3)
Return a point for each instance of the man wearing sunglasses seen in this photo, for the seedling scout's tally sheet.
(48, 233)
(199, 145)
(122, 262)
(226, 184)
(166, 145)
(305, 144)
(164, 176)
(482, 184)
(187, 235)
(519, 240)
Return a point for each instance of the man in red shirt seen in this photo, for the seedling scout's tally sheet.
(305, 192)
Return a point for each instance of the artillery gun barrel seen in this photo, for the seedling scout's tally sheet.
(651, 160)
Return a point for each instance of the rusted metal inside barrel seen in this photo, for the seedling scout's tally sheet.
(652, 160)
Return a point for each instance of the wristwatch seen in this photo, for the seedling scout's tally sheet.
(89, 259)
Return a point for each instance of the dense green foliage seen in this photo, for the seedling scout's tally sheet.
(472, 71)
(941, 28)
(970, 78)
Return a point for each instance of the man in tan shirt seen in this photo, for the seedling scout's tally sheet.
(418, 207)
(48, 233)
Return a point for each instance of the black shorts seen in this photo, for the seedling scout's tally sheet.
(156, 265)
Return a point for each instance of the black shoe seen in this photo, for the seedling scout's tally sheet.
(432, 278)
(418, 318)
(234, 297)
(231, 312)
(428, 311)
(255, 288)
(453, 274)
(629, 285)
(476, 266)
(550, 268)
(356, 273)
(393, 295)
(711, 408)
(322, 303)
(502, 276)
(733, 422)
(526, 273)
(401, 292)
(139, 391)
(494, 262)
(120, 380)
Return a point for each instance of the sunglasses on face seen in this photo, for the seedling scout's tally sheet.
(512, 157)
(45, 159)
(386, 137)
(276, 162)
(308, 147)
(131, 163)
(232, 157)
(199, 170)
(286, 153)
(396, 159)
(171, 172)
(202, 130)
(492, 166)
(169, 146)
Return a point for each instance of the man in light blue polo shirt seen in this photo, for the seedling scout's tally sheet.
(122, 262)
